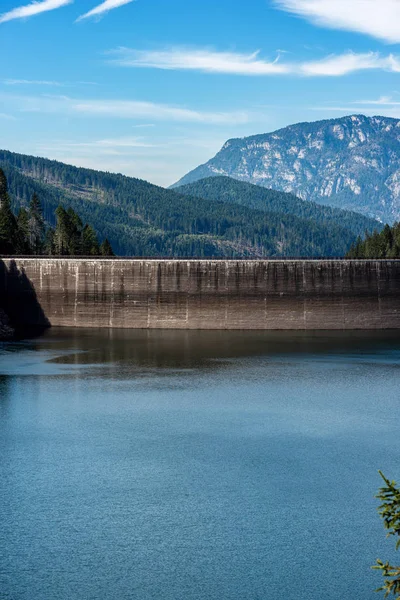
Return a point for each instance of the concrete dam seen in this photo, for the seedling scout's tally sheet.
(202, 294)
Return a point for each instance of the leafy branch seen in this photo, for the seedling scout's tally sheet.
(389, 511)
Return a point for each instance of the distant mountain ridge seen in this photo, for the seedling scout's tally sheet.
(351, 162)
(141, 219)
(232, 191)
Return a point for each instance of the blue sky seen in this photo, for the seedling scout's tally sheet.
(152, 88)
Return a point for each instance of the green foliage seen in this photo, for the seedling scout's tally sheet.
(27, 234)
(72, 238)
(389, 510)
(232, 191)
(8, 223)
(3, 185)
(384, 244)
(90, 243)
(22, 245)
(36, 225)
(105, 248)
(140, 219)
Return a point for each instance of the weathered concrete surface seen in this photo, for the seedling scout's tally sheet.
(204, 294)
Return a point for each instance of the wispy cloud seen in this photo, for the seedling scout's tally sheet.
(205, 60)
(32, 82)
(379, 19)
(382, 101)
(7, 117)
(45, 82)
(344, 64)
(104, 7)
(383, 106)
(233, 63)
(123, 109)
(34, 8)
(129, 109)
(111, 144)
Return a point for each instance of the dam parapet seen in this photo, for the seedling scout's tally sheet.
(202, 294)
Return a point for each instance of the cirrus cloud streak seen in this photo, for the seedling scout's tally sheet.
(104, 7)
(234, 63)
(122, 109)
(204, 60)
(377, 19)
(34, 8)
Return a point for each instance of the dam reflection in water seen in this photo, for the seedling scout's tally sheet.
(195, 464)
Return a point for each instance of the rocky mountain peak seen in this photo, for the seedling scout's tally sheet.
(352, 162)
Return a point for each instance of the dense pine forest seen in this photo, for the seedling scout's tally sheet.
(232, 191)
(27, 232)
(141, 219)
(384, 244)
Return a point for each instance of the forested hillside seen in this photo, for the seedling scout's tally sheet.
(140, 219)
(28, 233)
(226, 189)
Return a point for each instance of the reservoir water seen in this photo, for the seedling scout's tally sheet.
(196, 465)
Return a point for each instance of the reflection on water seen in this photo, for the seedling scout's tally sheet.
(191, 465)
(192, 349)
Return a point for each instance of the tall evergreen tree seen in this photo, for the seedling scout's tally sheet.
(90, 243)
(75, 226)
(28, 234)
(8, 223)
(23, 245)
(105, 249)
(61, 233)
(378, 245)
(49, 244)
(3, 185)
(36, 225)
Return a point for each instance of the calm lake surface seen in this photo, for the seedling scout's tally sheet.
(195, 465)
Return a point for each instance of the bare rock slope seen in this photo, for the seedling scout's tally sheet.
(351, 162)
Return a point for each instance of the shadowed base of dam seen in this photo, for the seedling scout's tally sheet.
(202, 294)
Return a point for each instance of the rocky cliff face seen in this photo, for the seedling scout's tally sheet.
(352, 163)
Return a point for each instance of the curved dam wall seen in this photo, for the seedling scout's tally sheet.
(202, 294)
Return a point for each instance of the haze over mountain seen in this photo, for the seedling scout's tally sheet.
(141, 219)
(352, 162)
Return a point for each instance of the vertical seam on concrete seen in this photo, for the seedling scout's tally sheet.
(76, 292)
(342, 297)
(305, 296)
(378, 278)
(111, 313)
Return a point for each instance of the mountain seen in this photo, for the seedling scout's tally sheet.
(141, 219)
(232, 191)
(351, 163)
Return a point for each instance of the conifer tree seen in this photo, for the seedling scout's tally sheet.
(23, 245)
(90, 243)
(106, 249)
(385, 244)
(61, 231)
(74, 226)
(36, 225)
(3, 185)
(8, 223)
(389, 510)
(49, 244)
